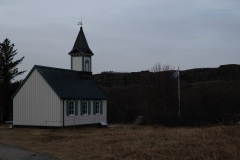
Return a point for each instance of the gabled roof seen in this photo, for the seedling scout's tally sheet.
(81, 45)
(69, 84)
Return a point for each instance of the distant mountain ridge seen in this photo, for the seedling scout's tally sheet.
(229, 72)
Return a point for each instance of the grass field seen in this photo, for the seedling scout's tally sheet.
(128, 142)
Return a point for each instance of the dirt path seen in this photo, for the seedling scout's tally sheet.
(13, 153)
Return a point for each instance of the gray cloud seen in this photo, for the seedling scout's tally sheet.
(125, 35)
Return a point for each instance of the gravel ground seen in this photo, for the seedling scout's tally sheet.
(12, 153)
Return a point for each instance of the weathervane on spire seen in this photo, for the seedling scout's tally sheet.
(80, 23)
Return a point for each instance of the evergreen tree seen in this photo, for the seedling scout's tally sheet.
(8, 71)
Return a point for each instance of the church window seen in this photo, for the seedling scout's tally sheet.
(85, 107)
(97, 108)
(87, 68)
(71, 107)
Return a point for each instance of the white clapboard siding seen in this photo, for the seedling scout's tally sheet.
(36, 104)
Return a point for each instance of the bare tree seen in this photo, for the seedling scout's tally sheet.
(161, 95)
(159, 68)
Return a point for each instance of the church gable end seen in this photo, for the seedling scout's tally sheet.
(35, 102)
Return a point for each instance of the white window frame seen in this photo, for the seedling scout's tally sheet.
(97, 107)
(71, 108)
(85, 110)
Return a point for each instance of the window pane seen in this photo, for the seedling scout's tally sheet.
(97, 107)
(71, 107)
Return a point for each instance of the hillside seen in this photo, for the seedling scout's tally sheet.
(208, 95)
(224, 72)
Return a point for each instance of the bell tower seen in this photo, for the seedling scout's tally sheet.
(81, 54)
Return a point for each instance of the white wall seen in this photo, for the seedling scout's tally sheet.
(36, 104)
(85, 119)
(77, 63)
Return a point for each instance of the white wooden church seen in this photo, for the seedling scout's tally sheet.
(60, 97)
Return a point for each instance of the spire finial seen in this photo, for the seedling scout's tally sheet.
(80, 23)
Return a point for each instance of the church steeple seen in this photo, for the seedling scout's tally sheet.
(81, 45)
(81, 54)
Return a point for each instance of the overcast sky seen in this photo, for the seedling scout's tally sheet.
(124, 35)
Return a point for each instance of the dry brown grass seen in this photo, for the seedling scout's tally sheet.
(141, 142)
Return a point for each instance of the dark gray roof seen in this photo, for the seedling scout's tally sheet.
(81, 45)
(69, 84)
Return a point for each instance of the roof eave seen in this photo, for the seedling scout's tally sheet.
(79, 52)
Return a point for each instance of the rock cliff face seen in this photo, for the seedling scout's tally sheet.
(116, 79)
(230, 72)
